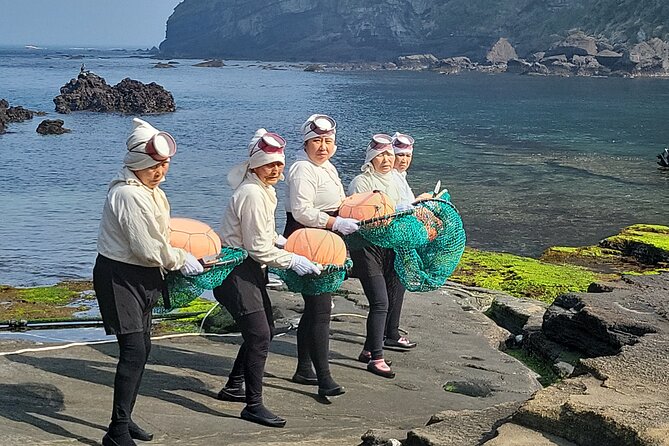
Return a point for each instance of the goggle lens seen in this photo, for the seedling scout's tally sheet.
(271, 143)
(160, 147)
(381, 141)
(323, 124)
(403, 141)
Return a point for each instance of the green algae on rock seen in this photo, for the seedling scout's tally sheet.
(648, 244)
(637, 249)
(522, 276)
(44, 303)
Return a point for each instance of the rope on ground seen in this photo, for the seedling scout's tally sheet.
(111, 341)
(157, 338)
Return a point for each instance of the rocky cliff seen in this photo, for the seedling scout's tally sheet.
(350, 30)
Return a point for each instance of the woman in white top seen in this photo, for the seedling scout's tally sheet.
(373, 265)
(315, 193)
(403, 150)
(249, 223)
(133, 254)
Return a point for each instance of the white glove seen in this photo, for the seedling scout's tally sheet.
(345, 226)
(301, 265)
(280, 241)
(192, 266)
(403, 207)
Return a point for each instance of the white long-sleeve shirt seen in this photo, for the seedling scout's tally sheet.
(406, 194)
(248, 222)
(312, 190)
(134, 227)
(371, 180)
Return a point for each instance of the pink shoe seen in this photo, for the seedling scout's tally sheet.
(366, 356)
(381, 368)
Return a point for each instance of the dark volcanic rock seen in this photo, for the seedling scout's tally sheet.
(90, 92)
(52, 127)
(600, 324)
(135, 97)
(13, 114)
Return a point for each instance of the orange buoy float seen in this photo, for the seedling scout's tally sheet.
(318, 245)
(194, 236)
(366, 205)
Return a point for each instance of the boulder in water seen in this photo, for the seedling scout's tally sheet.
(90, 92)
(52, 127)
(12, 114)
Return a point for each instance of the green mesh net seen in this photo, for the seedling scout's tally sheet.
(428, 241)
(328, 281)
(184, 289)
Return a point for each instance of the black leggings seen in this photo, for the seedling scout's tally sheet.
(395, 300)
(134, 349)
(249, 365)
(374, 266)
(313, 337)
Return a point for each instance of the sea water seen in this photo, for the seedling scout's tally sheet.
(530, 162)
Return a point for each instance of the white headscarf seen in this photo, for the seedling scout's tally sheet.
(257, 158)
(141, 133)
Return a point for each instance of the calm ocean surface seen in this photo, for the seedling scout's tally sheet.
(530, 162)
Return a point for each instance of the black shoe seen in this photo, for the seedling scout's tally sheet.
(118, 440)
(333, 391)
(377, 371)
(368, 357)
(402, 342)
(138, 433)
(264, 417)
(306, 380)
(233, 394)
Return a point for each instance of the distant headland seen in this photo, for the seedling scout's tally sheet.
(556, 37)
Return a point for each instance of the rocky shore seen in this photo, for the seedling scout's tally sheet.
(456, 388)
(602, 353)
(577, 54)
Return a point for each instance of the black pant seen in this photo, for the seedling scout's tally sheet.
(374, 266)
(249, 365)
(395, 301)
(134, 349)
(244, 295)
(313, 336)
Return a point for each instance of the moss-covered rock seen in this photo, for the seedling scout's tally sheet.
(522, 276)
(43, 303)
(648, 244)
(637, 249)
(220, 321)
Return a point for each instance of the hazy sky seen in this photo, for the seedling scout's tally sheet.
(99, 23)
